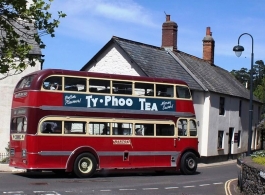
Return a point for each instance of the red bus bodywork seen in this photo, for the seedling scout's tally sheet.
(43, 152)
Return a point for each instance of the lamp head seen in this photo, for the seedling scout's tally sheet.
(238, 50)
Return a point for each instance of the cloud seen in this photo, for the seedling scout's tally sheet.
(117, 10)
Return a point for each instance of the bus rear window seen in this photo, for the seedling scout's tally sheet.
(19, 125)
(183, 92)
(25, 82)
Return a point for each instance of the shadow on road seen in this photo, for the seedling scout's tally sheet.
(98, 174)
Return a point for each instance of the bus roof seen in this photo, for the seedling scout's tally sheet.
(47, 72)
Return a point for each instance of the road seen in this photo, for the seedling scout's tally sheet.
(208, 180)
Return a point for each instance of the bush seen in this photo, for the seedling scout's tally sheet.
(259, 157)
(6, 159)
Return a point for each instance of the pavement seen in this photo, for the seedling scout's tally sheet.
(230, 185)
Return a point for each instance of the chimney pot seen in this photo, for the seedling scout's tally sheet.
(208, 31)
(168, 18)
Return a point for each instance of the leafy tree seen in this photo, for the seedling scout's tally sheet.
(242, 75)
(258, 73)
(22, 23)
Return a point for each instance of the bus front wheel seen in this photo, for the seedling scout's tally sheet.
(188, 164)
(85, 165)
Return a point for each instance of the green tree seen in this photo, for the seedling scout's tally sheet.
(22, 24)
(258, 73)
(242, 75)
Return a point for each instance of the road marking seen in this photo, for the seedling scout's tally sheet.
(188, 186)
(168, 188)
(46, 192)
(126, 189)
(205, 184)
(227, 186)
(218, 183)
(105, 190)
(150, 188)
(13, 192)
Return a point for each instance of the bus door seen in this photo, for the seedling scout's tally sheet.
(121, 145)
(144, 145)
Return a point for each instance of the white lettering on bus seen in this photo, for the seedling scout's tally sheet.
(71, 99)
(21, 94)
(115, 101)
(94, 101)
(166, 105)
(147, 105)
(121, 142)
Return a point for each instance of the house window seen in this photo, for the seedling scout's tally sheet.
(220, 139)
(222, 106)
(240, 107)
(238, 139)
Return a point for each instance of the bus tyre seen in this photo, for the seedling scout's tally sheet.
(85, 165)
(188, 164)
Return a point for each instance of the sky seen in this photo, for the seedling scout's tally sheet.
(90, 24)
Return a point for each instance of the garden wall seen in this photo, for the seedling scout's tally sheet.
(251, 177)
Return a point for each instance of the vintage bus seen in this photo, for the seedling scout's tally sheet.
(81, 122)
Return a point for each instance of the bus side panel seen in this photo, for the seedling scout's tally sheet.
(141, 150)
(45, 152)
(167, 145)
(184, 106)
(37, 98)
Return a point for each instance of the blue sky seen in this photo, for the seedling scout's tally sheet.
(90, 24)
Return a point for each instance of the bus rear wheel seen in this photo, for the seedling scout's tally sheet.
(85, 165)
(188, 164)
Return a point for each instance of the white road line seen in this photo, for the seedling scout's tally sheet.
(188, 186)
(46, 192)
(218, 183)
(150, 188)
(205, 184)
(14, 192)
(168, 188)
(105, 190)
(126, 189)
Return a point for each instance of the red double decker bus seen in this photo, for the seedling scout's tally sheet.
(81, 122)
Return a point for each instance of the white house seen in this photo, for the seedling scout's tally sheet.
(7, 86)
(221, 102)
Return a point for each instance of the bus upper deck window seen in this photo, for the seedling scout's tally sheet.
(53, 83)
(122, 87)
(99, 86)
(25, 82)
(164, 90)
(144, 89)
(74, 84)
(183, 92)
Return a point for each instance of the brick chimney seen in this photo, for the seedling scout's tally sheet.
(169, 34)
(208, 46)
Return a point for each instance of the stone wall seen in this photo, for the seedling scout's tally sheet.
(252, 177)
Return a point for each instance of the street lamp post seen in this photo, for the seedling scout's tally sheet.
(238, 50)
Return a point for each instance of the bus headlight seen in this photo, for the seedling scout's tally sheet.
(24, 152)
(12, 151)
